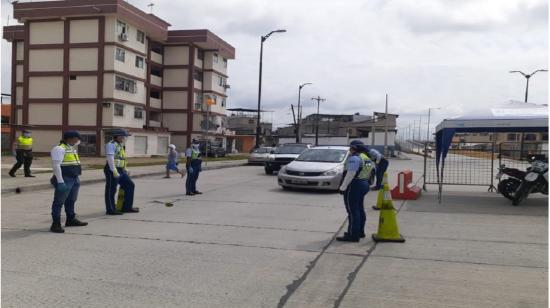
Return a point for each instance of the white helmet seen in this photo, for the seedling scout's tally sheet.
(171, 146)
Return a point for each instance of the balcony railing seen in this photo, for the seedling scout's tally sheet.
(155, 102)
(156, 57)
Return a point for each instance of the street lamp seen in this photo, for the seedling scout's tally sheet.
(528, 76)
(258, 126)
(298, 123)
(429, 114)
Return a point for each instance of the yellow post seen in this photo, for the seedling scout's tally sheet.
(120, 200)
(388, 230)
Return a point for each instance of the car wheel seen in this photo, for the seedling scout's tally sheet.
(286, 188)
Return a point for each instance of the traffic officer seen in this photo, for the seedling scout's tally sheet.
(66, 170)
(23, 154)
(354, 187)
(381, 166)
(193, 165)
(117, 174)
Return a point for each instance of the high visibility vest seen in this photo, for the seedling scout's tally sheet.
(24, 143)
(195, 154)
(120, 155)
(366, 167)
(70, 166)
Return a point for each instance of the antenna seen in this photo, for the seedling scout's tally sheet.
(150, 5)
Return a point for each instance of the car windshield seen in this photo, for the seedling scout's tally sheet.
(323, 155)
(290, 149)
(260, 150)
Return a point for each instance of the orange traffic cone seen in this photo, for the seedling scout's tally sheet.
(388, 230)
(380, 198)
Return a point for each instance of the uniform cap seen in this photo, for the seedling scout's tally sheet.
(120, 132)
(71, 134)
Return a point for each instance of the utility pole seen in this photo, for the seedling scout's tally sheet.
(414, 129)
(319, 100)
(299, 113)
(420, 129)
(386, 129)
(373, 128)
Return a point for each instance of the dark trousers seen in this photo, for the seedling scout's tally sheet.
(353, 199)
(23, 157)
(111, 184)
(192, 177)
(67, 198)
(380, 170)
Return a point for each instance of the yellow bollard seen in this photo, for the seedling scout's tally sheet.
(120, 200)
(388, 230)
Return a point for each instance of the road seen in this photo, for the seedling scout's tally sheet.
(247, 243)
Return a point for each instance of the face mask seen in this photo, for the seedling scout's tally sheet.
(76, 143)
(26, 135)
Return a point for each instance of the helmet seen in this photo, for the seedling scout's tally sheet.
(71, 134)
(171, 146)
(120, 132)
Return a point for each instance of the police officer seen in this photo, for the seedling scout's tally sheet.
(381, 166)
(193, 165)
(23, 154)
(354, 187)
(66, 170)
(117, 174)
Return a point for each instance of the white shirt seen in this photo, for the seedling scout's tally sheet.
(58, 153)
(110, 149)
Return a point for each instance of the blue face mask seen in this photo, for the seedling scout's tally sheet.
(26, 134)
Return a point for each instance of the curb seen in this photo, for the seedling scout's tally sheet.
(31, 188)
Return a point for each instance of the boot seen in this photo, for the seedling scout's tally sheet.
(347, 238)
(74, 222)
(362, 235)
(56, 228)
(12, 174)
(132, 210)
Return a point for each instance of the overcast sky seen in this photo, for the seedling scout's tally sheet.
(425, 53)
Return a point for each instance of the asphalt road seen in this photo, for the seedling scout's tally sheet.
(247, 243)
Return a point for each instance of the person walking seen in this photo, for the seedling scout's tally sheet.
(172, 163)
(23, 154)
(354, 187)
(116, 174)
(381, 166)
(193, 166)
(66, 170)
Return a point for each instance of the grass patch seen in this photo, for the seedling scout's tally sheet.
(161, 162)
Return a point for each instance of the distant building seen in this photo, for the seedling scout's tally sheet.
(243, 122)
(6, 128)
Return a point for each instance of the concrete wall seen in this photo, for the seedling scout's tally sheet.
(210, 64)
(83, 59)
(129, 64)
(128, 119)
(45, 114)
(175, 121)
(46, 87)
(20, 51)
(111, 34)
(379, 140)
(177, 55)
(109, 90)
(175, 77)
(46, 60)
(19, 95)
(83, 87)
(174, 99)
(48, 140)
(82, 114)
(50, 32)
(19, 73)
(152, 144)
(84, 31)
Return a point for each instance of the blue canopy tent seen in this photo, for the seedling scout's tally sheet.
(513, 116)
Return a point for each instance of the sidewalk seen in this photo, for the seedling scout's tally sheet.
(92, 176)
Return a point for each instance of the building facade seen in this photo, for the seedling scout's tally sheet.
(96, 65)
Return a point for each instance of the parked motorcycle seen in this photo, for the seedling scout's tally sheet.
(534, 181)
(509, 185)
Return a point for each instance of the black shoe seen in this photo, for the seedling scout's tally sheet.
(190, 194)
(197, 193)
(75, 223)
(374, 188)
(12, 174)
(360, 236)
(132, 210)
(29, 176)
(347, 239)
(114, 213)
(56, 228)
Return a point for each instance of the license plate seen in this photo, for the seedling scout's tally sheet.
(299, 182)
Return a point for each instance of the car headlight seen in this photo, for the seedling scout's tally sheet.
(334, 171)
(283, 170)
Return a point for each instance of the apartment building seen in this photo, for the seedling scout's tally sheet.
(96, 65)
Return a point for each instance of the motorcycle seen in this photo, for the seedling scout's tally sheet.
(534, 181)
(508, 186)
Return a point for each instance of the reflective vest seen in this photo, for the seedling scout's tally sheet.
(366, 168)
(70, 166)
(195, 154)
(24, 143)
(120, 155)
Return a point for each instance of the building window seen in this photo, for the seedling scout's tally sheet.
(251, 121)
(121, 27)
(215, 58)
(224, 100)
(119, 110)
(511, 137)
(72, 77)
(225, 62)
(197, 75)
(220, 81)
(5, 120)
(200, 54)
(530, 137)
(125, 84)
(544, 137)
(140, 36)
(120, 54)
(87, 144)
(138, 113)
(139, 62)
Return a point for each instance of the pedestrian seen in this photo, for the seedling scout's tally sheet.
(116, 173)
(354, 188)
(193, 166)
(381, 166)
(172, 163)
(22, 150)
(66, 170)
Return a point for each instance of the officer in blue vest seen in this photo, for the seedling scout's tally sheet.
(66, 170)
(381, 166)
(354, 187)
(193, 165)
(117, 174)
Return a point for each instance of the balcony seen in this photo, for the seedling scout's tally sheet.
(155, 102)
(156, 80)
(154, 123)
(156, 57)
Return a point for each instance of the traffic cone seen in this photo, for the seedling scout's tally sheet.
(380, 198)
(120, 200)
(388, 230)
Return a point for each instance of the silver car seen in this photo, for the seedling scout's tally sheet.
(259, 155)
(320, 167)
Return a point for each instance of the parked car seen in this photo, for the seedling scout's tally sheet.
(283, 155)
(320, 167)
(215, 149)
(259, 155)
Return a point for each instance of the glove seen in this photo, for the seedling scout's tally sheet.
(61, 187)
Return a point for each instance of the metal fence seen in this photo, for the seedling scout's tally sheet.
(477, 164)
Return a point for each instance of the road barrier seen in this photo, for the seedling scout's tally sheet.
(405, 189)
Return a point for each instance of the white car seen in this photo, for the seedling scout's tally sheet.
(259, 155)
(320, 167)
